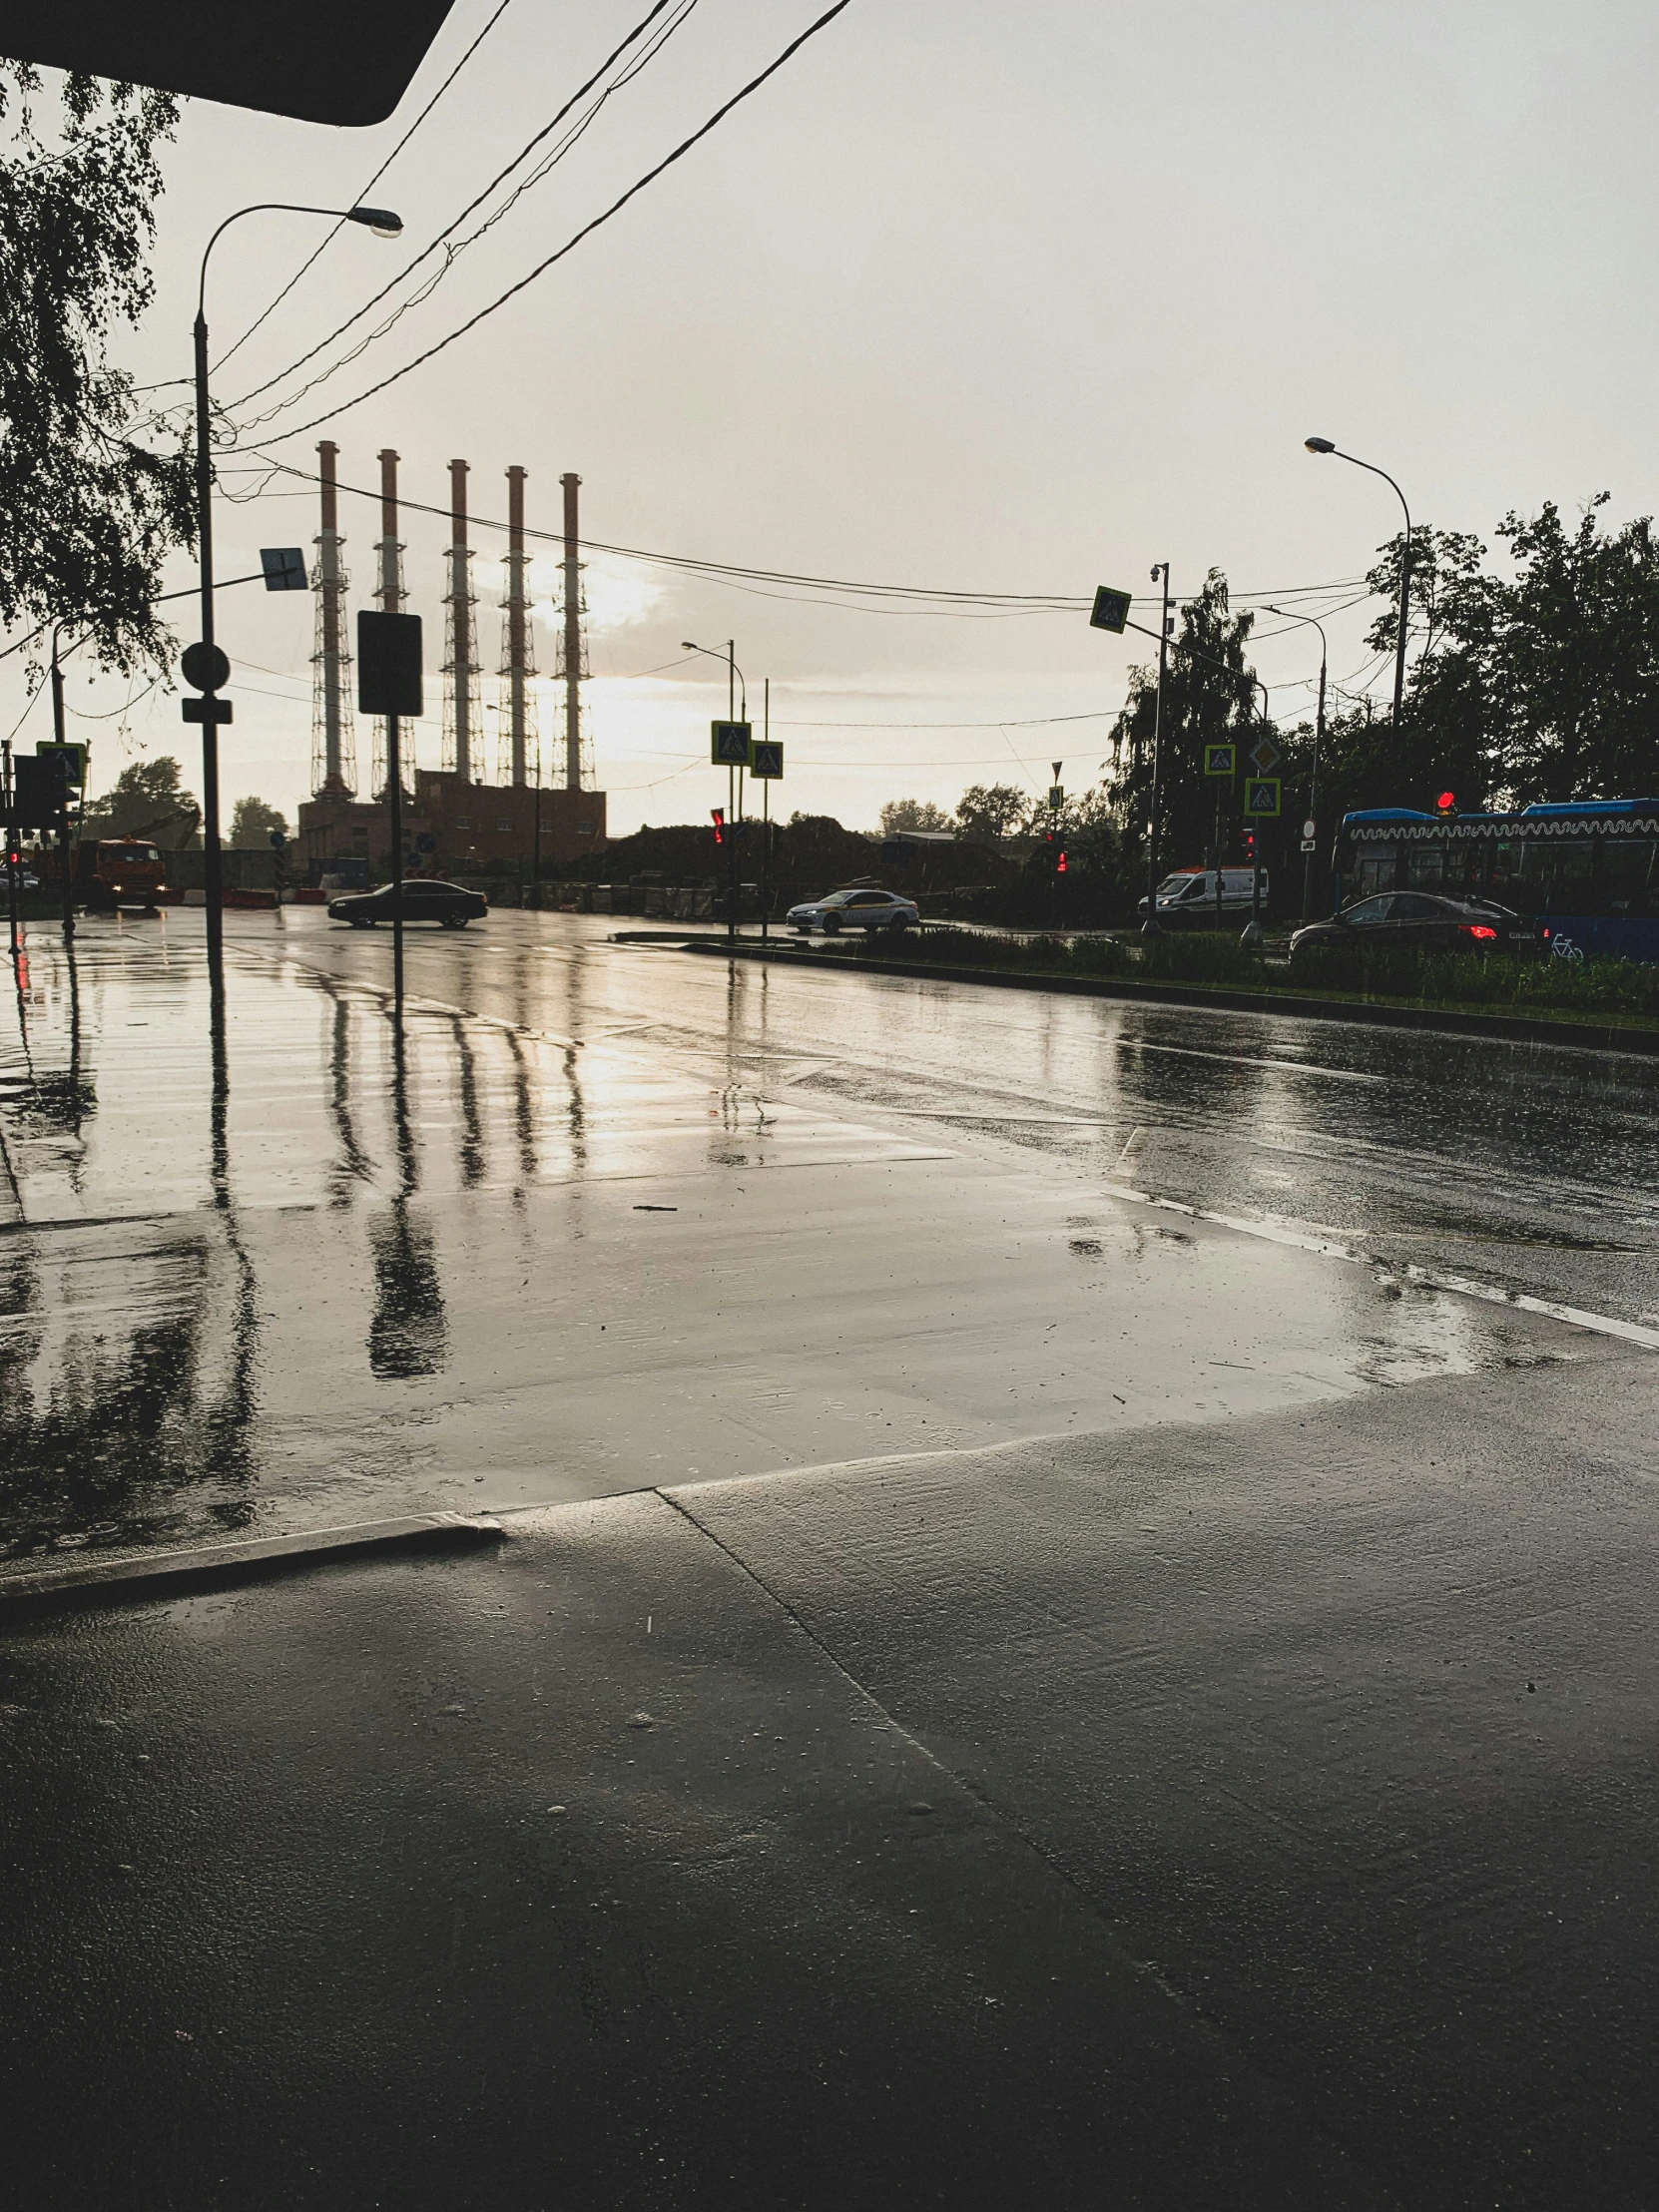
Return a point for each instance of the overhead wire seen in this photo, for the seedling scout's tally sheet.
(476, 203)
(640, 183)
(363, 194)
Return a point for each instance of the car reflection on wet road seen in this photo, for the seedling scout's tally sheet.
(615, 1216)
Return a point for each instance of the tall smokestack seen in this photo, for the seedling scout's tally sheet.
(460, 663)
(391, 596)
(334, 749)
(518, 629)
(572, 640)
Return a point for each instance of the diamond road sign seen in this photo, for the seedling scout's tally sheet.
(1111, 609)
(1261, 795)
(1219, 760)
(729, 743)
(1264, 755)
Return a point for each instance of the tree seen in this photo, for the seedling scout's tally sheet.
(147, 800)
(252, 821)
(912, 813)
(1544, 686)
(986, 812)
(87, 511)
(1210, 698)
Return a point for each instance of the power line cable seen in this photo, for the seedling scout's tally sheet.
(452, 253)
(1054, 602)
(366, 188)
(472, 207)
(586, 231)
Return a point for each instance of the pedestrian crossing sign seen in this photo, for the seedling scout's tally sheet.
(729, 743)
(1262, 795)
(766, 759)
(1219, 760)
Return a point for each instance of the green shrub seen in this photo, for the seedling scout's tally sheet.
(1605, 989)
(1100, 956)
(1181, 957)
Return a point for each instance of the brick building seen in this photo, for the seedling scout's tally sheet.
(477, 828)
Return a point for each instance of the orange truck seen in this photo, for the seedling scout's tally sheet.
(110, 872)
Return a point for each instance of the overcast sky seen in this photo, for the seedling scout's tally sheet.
(1015, 295)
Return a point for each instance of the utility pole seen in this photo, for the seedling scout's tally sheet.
(63, 770)
(11, 840)
(1150, 925)
(573, 638)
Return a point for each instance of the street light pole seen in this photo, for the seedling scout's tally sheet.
(211, 710)
(1150, 926)
(1324, 445)
(736, 686)
(60, 735)
(1253, 935)
(1313, 623)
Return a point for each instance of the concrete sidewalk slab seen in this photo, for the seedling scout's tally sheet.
(1345, 1718)
(579, 1876)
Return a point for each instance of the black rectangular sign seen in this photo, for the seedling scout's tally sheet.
(388, 664)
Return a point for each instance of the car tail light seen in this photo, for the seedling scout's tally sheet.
(1477, 929)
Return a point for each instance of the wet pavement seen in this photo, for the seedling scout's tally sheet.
(618, 1216)
(1080, 1575)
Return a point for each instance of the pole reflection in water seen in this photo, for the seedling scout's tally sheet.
(353, 1166)
(408, 1334)
(129, 1352)
(472, 1142)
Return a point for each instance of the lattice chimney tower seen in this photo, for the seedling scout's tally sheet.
(573, 665)
(391, 596)
(462, 718)
(518, 656)
(333, 734)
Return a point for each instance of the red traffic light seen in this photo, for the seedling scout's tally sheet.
(717, 814)
(1060, 866)
(1446, 802)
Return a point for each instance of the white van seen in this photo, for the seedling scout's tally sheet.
(1187, 899)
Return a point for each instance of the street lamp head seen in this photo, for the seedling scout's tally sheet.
(381, 220)
(1320, 445)
(686, 646)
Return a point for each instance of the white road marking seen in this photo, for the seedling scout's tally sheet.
(1331, 1248)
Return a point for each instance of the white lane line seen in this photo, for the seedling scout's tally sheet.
(1252, 1060)
(1329, 1248)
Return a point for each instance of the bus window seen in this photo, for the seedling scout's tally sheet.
(1630, 876)
(1372, 872)
(1425, 867)
(1556, 875)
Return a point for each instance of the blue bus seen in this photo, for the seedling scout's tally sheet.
(1588, 870)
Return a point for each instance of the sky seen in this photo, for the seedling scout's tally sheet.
(1001, 295)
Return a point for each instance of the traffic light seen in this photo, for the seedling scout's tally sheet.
(1446, 804)
(1250, 844)
(718, 816)
(1060, 865)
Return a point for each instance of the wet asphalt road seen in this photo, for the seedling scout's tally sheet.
(1264, 1625)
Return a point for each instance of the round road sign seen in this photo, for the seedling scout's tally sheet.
(193, 665)
(1310, 828)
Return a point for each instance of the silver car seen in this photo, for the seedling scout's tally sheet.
(866, 911)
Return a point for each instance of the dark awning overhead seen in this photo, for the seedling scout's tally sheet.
(322, 61)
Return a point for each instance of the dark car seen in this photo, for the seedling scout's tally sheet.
(423, 900)
(1423, 922)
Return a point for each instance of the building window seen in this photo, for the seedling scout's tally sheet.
(462, 821)
(503, 827)
(584, 829)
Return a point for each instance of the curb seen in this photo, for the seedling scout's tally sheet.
(161, 1573)
(1577, 1035)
